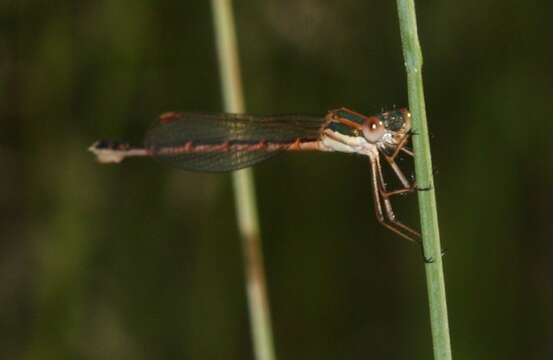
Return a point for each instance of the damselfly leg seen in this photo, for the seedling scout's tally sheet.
(401, 146)
(408, 187)
(383, 206)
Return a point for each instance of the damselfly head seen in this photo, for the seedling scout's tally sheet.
(387, 129)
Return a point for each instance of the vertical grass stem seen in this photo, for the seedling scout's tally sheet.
(423, 167)
(244, 190)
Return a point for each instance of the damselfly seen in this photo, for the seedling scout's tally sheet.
(225, 142)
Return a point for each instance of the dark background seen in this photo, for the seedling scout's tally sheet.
(139, 261)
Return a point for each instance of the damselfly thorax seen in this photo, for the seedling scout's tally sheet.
(225, 142)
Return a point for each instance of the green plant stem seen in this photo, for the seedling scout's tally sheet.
(423, 167)
(244, 190)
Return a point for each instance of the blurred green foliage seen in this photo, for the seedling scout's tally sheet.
(138, 261)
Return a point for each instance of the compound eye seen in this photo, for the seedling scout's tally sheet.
(373, 129)
(374, 124)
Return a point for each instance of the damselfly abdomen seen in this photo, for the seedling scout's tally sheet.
(225, 142)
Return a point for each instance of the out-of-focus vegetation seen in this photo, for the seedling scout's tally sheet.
(138, 261)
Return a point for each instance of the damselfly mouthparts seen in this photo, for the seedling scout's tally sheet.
(224, 142)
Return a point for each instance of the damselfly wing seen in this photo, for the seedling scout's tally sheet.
(224, 142)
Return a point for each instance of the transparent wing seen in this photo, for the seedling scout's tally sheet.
(228, 141)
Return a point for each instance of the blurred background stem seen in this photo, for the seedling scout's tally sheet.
(423, 167)
(244, 190)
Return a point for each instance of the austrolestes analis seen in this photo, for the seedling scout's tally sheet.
(225, 142)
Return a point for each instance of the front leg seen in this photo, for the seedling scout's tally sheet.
(407, 186)
(385, 214)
